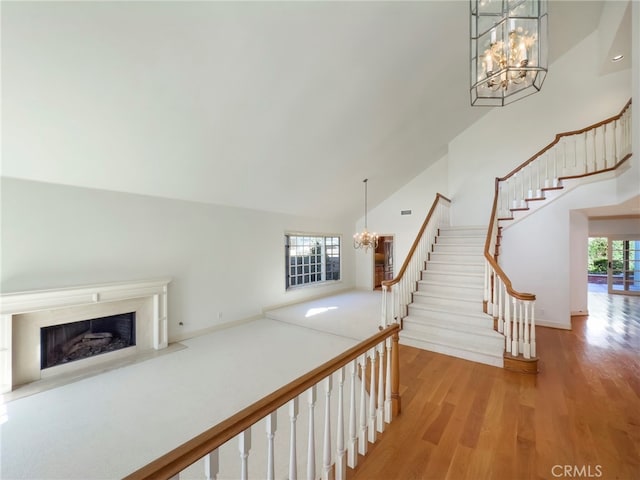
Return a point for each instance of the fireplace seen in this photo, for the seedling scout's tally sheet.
(39, 330)
(68, 342)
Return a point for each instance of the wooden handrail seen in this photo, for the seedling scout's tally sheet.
(566, 134)
(487, 254)
(492, 261)
(193, 450)
(388, 283)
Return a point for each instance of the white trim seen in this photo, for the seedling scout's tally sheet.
(12, 304)
(546, 323)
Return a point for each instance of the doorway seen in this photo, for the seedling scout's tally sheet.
(383, 261)
(614, 265)
(624, 266)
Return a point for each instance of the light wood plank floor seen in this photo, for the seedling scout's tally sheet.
(463, 420)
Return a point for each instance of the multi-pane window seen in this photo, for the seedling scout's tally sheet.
(311, 259)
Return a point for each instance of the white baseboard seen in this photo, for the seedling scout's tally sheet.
(215, 328)
(579, 313)
(546, 323)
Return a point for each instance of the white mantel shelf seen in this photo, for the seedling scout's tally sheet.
(12, 304)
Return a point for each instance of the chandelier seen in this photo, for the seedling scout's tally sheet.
(365, 239)
(508, 50)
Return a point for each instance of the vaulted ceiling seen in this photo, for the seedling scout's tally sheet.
(279, 106)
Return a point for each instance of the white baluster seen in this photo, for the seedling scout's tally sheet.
(271, 426)
(494, 297)
(293, 460)
(362, 439)
(244, 444)
(211, 465)
(538, 184)
(547, 182)
(507, 321)
(604, 145)
(380, 411)
(372, 397)
(555, 168)
(514, 332)
(327, 472)
(615, 143)
(486, 283)
(383, 320)
(387, 393)
(586, 157)
(341, 455)
(533, 330)
(352, 450)
(311, 443)
(595, 148)
(500, 299)
(521, 327)
(527, 347)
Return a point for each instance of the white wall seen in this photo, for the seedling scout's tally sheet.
(221, 259)
(573, 96)
(385, 218)
(628, 186)
(614, 227)
(545, 253)
(578, 262)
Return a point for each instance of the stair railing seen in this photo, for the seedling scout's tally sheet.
(405, 282)
(599, 148)
(375, 359)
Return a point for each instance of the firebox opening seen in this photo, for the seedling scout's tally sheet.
(77, 340)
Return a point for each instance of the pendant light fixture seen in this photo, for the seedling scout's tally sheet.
(364, 239)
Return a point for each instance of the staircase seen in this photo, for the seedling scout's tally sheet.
(446, 314)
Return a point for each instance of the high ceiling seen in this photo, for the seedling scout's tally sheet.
(279, 106)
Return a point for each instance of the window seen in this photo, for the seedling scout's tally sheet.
(311, 259)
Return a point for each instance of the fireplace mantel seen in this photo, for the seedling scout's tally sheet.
(50, 303)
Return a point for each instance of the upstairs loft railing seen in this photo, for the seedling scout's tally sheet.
(374, 359)
(598, 148)
(394, 309)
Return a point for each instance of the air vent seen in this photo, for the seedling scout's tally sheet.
(405, 212)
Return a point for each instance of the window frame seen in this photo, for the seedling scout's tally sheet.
(321, 264)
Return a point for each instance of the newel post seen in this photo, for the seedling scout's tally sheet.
(396, 407)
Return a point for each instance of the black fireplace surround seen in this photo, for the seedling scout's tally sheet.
(68, 342)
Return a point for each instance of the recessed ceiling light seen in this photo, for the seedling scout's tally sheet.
(617, 58)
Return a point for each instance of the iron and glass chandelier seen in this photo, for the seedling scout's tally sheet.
(508, 50)
(364, 239)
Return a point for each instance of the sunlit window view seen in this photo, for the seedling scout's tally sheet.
(614, 265)
(311, 259)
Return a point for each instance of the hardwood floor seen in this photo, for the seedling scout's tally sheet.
(578, 418)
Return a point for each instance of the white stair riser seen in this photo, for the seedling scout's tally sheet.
(475, 248)
(453, 337)
(446, 277)
(460, 290)
(463, 232)
(455, 267)
(456, 257)
(472, 305)
(467, 239)
(471, 319)
(488, 359)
